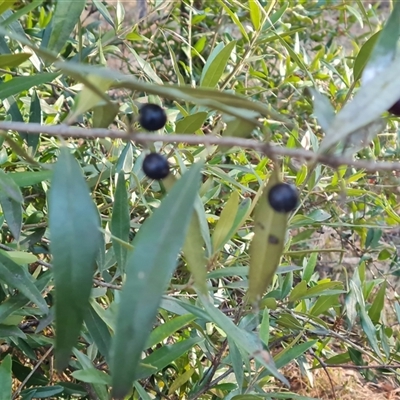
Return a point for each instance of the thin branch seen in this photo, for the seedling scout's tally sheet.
(361, 367)
(40, 361)
(269, 150)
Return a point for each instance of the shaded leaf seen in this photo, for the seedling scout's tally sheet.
(244, 340)
(149, 267)
(75, 242)
(120, 221)
(164, 356)
(6, 378)
(11, 203)
(92, 375)
(18, 277)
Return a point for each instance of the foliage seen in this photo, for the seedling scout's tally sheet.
(151, 289)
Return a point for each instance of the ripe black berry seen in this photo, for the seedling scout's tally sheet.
(152, 117)
(395, 109)
(155, 166)
(283, 197)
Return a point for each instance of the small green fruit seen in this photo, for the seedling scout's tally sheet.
(155, 166)
(152, 117)
(283, 197)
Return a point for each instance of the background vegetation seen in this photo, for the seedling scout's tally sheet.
(96, 297)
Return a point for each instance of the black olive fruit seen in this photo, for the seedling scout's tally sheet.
(283, 197)
(395, 109)
(152, 117)
(155, 166)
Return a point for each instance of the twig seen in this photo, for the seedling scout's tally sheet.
(271, 151)
(106, 285)
(40, 361)
(214, 366)
(323, 365)
(348, 366)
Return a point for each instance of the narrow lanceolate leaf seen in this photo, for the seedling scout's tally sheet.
(11, 203)
(6, 378)
(120, 223)
(17, 277)
(14, 303)
(267, 244)
(193, 248)
(216, 64)
(385, 49)
(232, 217)
(75, 240)
(35, 116)
(66, 16)
(21, 83)
(13, 60)
(149, 268)
(244, 340)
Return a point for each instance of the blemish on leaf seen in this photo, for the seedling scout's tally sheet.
(273, 239)
(260, 225)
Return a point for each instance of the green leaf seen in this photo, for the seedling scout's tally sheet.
(6, 378)
(168, 328)
(66, 16)
(377, 306)
(323, 109)
(298, 291)
(232, 104)
(11, 200)
(225, 221)
(18, 277)
(385, 48)
(231, 218)
(324, 303)
(29, 178)
(75, 240)
(20, 257)
(216, 64)
(310, 267)
(104, 115)
(244, 340)
(13, 60)
(21, 83)
(100, 388)
(191, 123)
(92, 375)
(237, 363)
(98, 331)
(267, 244)
(120, 221)
(194, 253)
(149, 267)
(364, 55)
(164, 356)
(14, 303)
(255, 13)
(292, 352)
(35, 115)
(45, 392)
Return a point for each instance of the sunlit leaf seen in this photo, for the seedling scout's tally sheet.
(65, 17)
